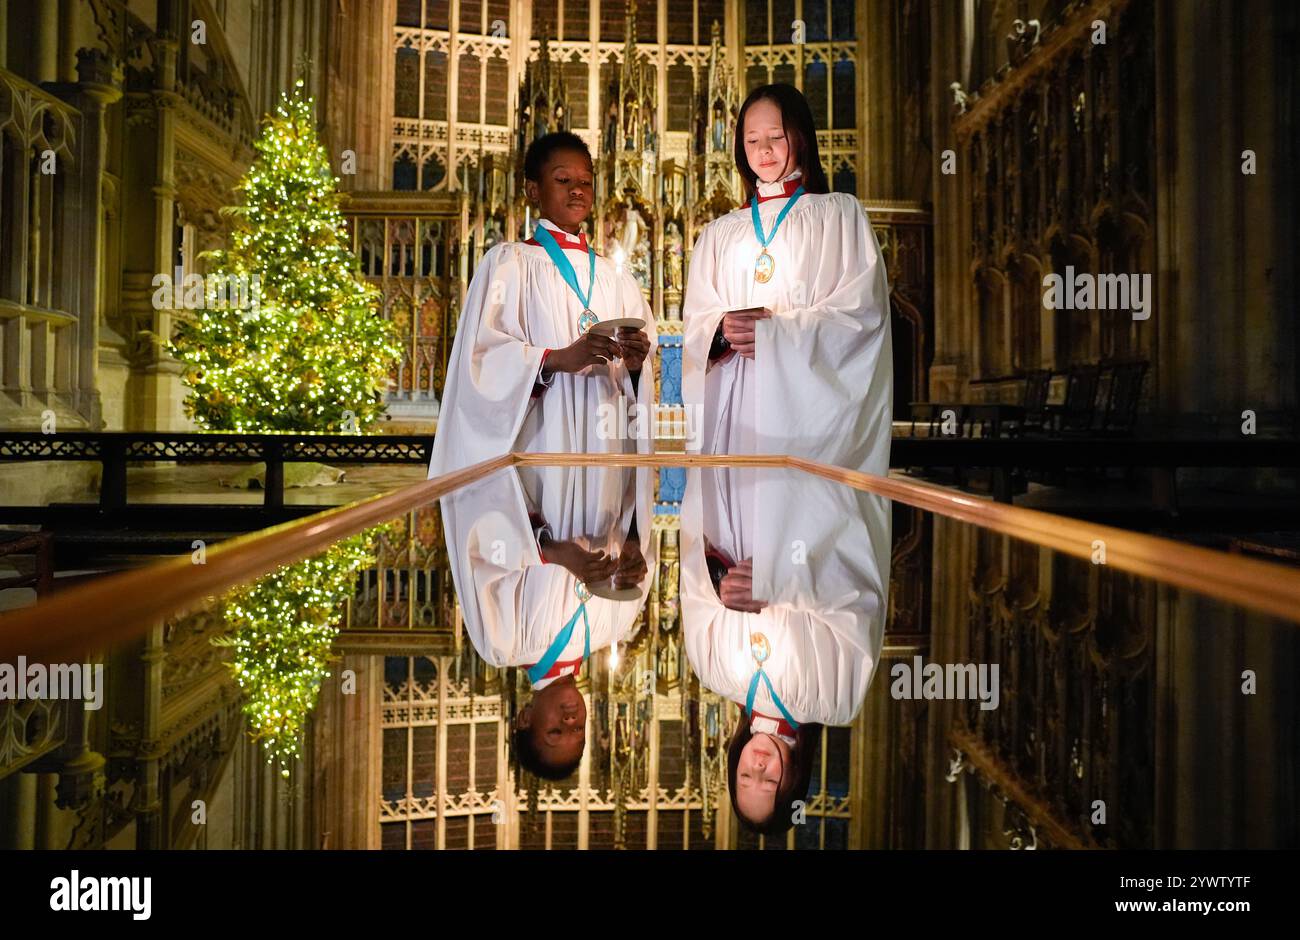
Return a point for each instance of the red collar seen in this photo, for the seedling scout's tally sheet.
(565, 240)
(558, 669)
(786, 192)
(782, 726)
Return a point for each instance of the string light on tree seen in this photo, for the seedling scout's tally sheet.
(284, 626)
(314, 355)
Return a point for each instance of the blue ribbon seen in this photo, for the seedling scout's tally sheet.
(547, 241)
(758, 224)
(753, 688)
(552, 654)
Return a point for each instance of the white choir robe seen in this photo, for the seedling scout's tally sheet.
(514, 604)
(821, 554)
(820, 384)
(516, 308)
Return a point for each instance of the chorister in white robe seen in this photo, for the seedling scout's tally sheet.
(514, 604)
(820, 555)
(820, 384)
(518, 305)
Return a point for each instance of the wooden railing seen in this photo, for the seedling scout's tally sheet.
(120, 606)
(40, 545)
(114, 450)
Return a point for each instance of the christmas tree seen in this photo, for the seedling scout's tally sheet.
(283, 628)
(305, 350)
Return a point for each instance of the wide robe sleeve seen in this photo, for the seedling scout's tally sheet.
(490, 549)
(634, 305)
(819, 678)
(492, 368)
(512, 601)
(821, 559)
(825, 617)
(702, 311)
(825, 369)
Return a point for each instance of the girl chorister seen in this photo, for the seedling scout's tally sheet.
(787, 306)
(528, 372)
(783, 613)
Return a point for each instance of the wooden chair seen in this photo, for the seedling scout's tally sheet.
(1123, 393)
(1079, 411)
(1038, 386)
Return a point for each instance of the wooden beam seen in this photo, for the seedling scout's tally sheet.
(121, 606)
(988, 767)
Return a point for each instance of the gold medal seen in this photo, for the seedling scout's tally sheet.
(765, 266)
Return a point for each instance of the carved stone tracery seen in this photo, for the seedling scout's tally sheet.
(1059, 166)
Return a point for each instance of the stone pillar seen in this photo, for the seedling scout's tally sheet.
(304, 796)
(1225, 760)
(339, 767)
(267, 797)
(80, 769)
(151, 827)
(68, 39)
(18, 809)
(888, 763)
(952, 345)
(453, 106)
(1226, 285)
(953, 560)
(100, 86)
(879, 102)
(158, 404)
(4, 33)
(49, 821)
(47, 43)
(360, 38)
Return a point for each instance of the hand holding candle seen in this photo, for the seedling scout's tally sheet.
(632, 567)
(635, 347)
(583, 563)
(738, 328)
(737, 589)
(589, 349)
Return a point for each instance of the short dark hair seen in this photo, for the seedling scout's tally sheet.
(540, 150)
(793, 786)
(530, 759)
(800, 130)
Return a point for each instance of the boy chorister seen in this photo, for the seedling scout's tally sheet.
(523, 545)
(526, 371)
